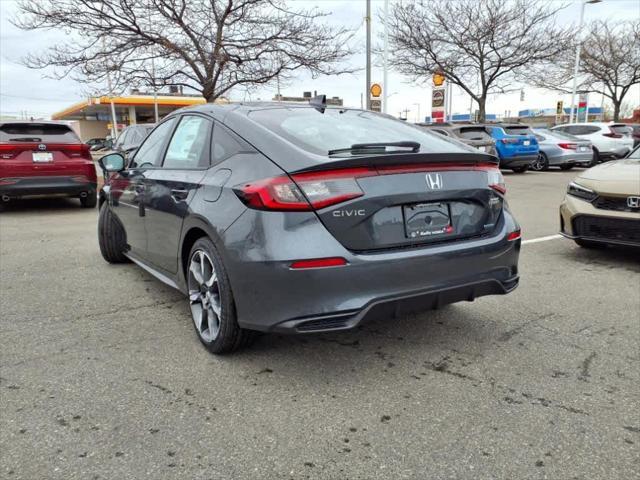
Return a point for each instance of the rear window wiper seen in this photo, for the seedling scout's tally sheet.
(377, 148)
(26, 139)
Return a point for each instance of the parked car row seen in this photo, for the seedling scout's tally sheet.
(602, 204)
(519, 147)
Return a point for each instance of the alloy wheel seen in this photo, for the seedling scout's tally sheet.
(538, 164)
(204, 295)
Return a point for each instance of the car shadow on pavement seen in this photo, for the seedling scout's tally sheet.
(435, 332)
(627, 258)
(40, 205)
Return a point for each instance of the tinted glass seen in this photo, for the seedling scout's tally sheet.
(621, 129)
(517, 130)
(334, 129)
(37, 132)
(223, 145)
(150, 152)
(473, 133)
(587, 130)
(557, 135)
(188, 146)
(122, 138)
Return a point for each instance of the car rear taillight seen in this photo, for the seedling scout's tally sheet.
(309, 191)
(510, 141)
(318, 263)
(304, 191)
(9, 151)
(80, 150)
(515, 235)
(73, 150)
(568, 146)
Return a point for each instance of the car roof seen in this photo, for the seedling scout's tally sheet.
(36, 122)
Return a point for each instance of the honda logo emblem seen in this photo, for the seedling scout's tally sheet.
(434, 181)
(42, 146)
(633, 202)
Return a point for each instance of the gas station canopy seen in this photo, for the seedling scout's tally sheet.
(129, 109)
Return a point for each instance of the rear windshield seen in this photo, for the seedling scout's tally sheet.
(37, 132)
(474, 133)
(621, 129)
(518, 130)
(557, 135)
(334, 129)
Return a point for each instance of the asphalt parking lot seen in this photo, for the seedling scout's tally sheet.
(102, 375)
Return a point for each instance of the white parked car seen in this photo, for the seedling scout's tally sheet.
(610, 140)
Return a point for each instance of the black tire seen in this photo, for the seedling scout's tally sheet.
(230, 337)
(566, 167)
(111, 236)
(588, 244)
(90, 201)
(540, 164)
(520, 169)
(595, 159)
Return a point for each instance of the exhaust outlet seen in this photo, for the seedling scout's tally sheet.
(6, 198)
(83, 195)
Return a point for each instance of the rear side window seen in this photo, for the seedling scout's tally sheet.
(122, 138)
(335, 129)
(224, 145)
(37, 132)
(588, 130)
(518, 130)
(473, 134)
(188, 146)
(150, 152)
(621, 129)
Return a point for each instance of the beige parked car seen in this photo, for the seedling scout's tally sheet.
(602, 204)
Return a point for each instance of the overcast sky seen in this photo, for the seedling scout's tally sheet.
(27, 90)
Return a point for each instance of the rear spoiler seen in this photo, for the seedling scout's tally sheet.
(404, 159)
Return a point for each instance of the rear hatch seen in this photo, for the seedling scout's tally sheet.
(519, 140)
(392, 201)
(375, 182)
(34, 149)
(411, 201)
(477, 137)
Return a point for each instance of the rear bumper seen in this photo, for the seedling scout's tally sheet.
(24, 187)
(570, 158)
(397, 306)
(517, 161)
(615, 154)
(272, 297)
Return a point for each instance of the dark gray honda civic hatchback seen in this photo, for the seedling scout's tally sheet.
(305, 218)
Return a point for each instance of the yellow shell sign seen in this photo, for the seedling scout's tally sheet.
(438, 79)
(376, 90)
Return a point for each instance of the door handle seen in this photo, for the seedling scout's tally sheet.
(179, 195)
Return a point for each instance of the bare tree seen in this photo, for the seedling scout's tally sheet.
(609, 63)
(211, 46)
(479, 45)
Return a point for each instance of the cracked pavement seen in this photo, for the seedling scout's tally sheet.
(102, 376)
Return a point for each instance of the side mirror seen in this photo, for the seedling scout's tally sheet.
(114, 162)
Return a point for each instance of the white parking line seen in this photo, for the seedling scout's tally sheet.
(541, 239)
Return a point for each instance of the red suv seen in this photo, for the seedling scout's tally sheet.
(45, 159)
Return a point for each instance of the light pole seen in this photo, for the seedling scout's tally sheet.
(368, 75)
(418, 115)
(385, 68)
(577, 64)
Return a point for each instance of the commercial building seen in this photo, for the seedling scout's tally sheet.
(93, 118)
